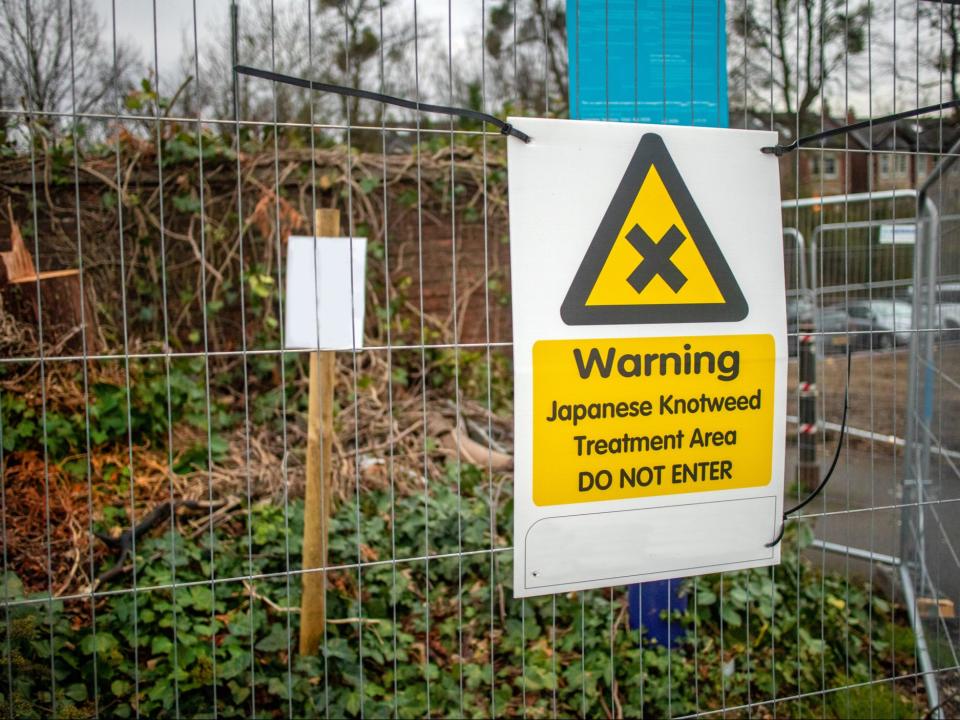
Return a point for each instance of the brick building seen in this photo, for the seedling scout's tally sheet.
(884, 157)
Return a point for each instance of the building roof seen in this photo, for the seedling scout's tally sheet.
(929, 134)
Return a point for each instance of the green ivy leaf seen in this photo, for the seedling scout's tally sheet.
(76, 692)
(202, 598)
(101, 643)
(277, 639)
(160, 645)
(706, 597)
(731, 616)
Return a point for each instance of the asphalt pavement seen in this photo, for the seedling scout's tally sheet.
(860, 508)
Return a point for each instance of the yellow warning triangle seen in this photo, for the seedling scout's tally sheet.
(653, 258)
(655, 213)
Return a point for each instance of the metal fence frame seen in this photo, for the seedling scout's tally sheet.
(922, 495)
(920, 444)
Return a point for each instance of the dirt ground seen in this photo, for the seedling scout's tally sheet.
(878, 392)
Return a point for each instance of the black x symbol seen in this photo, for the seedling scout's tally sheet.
(656, 258)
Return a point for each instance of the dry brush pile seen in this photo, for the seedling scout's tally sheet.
(182, 250)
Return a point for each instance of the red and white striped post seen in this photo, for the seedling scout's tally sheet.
(808, 469)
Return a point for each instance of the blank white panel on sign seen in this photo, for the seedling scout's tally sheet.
(611, 546)
(325, 293)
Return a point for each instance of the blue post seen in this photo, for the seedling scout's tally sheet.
(649, 604)
(650, 61)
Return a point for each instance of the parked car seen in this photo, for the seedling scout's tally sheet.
(890, 321)
(877, 324)
(946, 311)
(837, 328)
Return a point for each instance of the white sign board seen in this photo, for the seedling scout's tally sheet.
(898, 234)
(650, 355)
(325, 293)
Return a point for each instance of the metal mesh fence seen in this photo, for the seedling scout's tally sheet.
(929, 557)
(153, 431)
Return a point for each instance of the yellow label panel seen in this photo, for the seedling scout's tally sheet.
(642, 417)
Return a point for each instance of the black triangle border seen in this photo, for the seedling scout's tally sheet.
(651, 150)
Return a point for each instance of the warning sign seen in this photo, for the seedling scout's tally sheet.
(635, 418)
(653, 258)
(650, 352)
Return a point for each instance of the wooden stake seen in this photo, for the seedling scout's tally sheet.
(317, 496)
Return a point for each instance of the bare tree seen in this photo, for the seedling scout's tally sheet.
(807, 43)
(272, 36)
(941, 51)
(357, 42)
(526, 42)
(339, 44)
(55, 59)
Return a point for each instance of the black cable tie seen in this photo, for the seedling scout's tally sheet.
(505, 127)
(833, 465)
(779, 537)
(780, 150)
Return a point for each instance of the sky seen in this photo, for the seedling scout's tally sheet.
(174, 32)
(135, 25)
(174, 23)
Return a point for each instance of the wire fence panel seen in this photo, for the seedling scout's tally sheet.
(154, 429)
(930, 561)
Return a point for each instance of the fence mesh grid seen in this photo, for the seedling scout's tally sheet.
(153, 430)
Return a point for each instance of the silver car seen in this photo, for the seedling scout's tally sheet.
(890, 320)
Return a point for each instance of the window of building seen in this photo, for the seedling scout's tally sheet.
(894, 165)
(883, 163)
(825, 165)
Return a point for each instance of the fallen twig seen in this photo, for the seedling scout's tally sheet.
(127, 539)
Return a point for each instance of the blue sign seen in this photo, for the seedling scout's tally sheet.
(651, 61)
